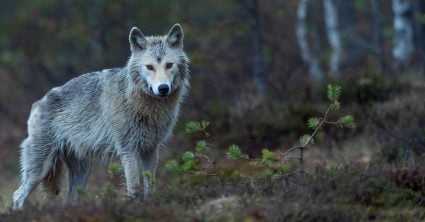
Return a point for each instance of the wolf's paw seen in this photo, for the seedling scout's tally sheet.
(134, 196)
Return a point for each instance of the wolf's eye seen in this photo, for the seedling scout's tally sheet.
(149, 67)
(169, 65)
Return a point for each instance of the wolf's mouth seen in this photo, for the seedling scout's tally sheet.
(160, 96)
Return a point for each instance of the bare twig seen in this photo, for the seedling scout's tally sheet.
(200, 172)
(210, 162)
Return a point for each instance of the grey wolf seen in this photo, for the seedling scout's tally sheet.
(125, 113)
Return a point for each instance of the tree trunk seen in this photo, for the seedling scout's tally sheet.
(334, 37)
(259, 74)
(377, 33)
(403, 32)
(351, 54)
(302, 38)
(419, 11)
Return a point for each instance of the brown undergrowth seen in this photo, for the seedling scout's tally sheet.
(347, 193)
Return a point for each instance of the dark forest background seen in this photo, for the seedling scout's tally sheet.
(259, 69)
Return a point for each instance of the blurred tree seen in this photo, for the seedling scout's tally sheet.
(308, 56)
(334, 37)
(347, 23)
(377, 38)
(403, 28)
(258, 64)
(419, 18)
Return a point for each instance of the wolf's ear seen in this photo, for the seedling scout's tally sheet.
(175, 36)
(137, 39)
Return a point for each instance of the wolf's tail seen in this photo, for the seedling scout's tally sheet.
(52, 182)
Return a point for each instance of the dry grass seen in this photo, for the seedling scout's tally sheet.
(346, 193)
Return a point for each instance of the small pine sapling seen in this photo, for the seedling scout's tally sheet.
(190, 161)
(273, 162)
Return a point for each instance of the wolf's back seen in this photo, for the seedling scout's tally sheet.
(73, 113)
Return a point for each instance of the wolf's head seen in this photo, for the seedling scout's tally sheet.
(158, 65)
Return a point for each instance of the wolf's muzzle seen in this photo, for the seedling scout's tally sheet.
(163, 90)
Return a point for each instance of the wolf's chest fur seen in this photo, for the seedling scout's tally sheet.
(143, 121)
(152, 125)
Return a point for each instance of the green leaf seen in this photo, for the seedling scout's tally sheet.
(269, 158)
(201, 146)
(189, 161)
(334, 92)
(313, 122)
(189, 165)
(268, 173)
(234, 153)
(114, 168)
(304, 140)
(236, 175)
(283, 169)
(204, 124)
(172, 165)
(348, 121)
(195, 126)
(192, 127)
(188, 155)
(109, 187)
(148, 175)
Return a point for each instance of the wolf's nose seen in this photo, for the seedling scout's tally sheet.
(163, 89)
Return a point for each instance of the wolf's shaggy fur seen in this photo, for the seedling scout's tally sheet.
(114, 112)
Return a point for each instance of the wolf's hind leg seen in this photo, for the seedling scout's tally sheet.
(52, 182)
(79, 171)
(36, 161)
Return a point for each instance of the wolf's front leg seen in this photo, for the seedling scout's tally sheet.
(131, 171)
(150, 161)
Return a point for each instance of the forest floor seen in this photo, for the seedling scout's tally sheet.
(353, 192)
